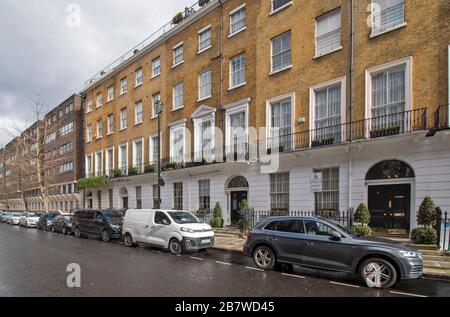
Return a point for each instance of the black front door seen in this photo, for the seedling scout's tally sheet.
(236, 200)
(389, 206)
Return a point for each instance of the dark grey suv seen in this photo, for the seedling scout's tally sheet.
(324, 244)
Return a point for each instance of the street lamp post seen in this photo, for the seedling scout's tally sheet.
(159, 109)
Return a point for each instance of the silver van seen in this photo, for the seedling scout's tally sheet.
(178, 231)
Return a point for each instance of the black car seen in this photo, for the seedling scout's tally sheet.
(324, 244)
(62, 224)
(45, 221)
(104, 224)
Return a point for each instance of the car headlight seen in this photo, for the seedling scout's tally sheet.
(115, 228)
(187, 230)
(49, 222)
(409, 254)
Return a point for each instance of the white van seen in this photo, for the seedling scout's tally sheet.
(176, 230)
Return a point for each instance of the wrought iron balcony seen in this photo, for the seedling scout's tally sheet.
(441, 117)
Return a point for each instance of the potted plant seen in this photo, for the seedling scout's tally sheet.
(117, 172)
(132, 171)
(169, 166)
(150, 168)
(323, 141)
(377, 133)
(426, 217)
(202, 3)
(217, 220)
(178, 18)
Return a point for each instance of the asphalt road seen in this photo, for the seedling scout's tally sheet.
(34, 263)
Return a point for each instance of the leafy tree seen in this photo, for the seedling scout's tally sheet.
(362, 214)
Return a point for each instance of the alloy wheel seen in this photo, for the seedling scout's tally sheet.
(77, 233)
(128, 240)
(264, 258)
(105, 236)
(175, 246)
(378, 274)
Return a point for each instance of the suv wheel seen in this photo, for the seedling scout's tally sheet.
(378, 273)
(264, 258)
(175, 246)
(53, 229)
(64, 231)
(106, 237)
(128, 240)
(77, 233)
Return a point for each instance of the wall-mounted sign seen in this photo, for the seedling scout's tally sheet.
(316, 182)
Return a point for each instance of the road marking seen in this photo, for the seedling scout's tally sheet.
(253, 268)
(292, 275)
(156, 251)
(179, 255)
(407, 294)
(195, 258)
(343, 284)
(224, 263)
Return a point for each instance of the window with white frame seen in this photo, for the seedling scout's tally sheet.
(205, 39)
(387, 15)
(109, 161)
(204, 84)
(88, 105)
(138, 155)
(178, 54)
(177, 143)
(327, 115)
(66, 167)
(138, 197)
(138, 117)
(155, 98)
(66, 129)
(279, 4)
(89, 133)
(281, 52)
(238, 20)
(89, 166)
(388, 98)
(123, 118)
(236, 131)
(204, 138)
(154, 148)
(99, 100)
(178, 96)
(50, 138)
(99, 129)
(156, 67)
(123, 157)
(123, 86)
(237, 70)
(110, 93)
(280, 125)
(138, 77)
(66, 148)
(110, 123)
(328, 32)
(178, 196)
(328, 199)
(204, 196)
(98, 163)
(279, 192)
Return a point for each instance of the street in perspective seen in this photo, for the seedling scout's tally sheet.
(264, 149)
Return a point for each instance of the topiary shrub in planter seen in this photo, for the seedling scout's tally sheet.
(424, 235)
(118, 172)
(201, 3)
(217, 220)
(362, 230)
(362, 214)
(169, 166)
(150, 168)
(427, 213)
(132, 171)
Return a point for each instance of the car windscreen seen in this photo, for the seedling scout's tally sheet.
(113, 217)
(347, 230)
(183, 217)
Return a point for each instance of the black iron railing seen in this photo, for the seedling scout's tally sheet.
(441, 118)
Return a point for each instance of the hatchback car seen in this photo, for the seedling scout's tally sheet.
(324, 244)
(5, 216)
(104, 224)
(62, 224)
(29, 220)
(14, 219)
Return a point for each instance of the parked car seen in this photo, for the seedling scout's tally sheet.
(29, 220)
(178, 231)
(324, 244)
(5, 216)
(93, 222)
(62, 224)
(45, 221)
(14, 219)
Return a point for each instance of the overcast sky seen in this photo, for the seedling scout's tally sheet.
(40, 53)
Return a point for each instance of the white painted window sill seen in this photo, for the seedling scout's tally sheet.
(287, 5)
(176, 109)
(176, 65)
(237, 86)
(204, 50)
(123, 93)
(156, 76)
(274, 72)
(110, 133)
(376, 34)
(111, 100)
(154, 117)
(123, 129)
(138, 85)
(204, 98)
(237, 32)
(328, 53)
(138, 123)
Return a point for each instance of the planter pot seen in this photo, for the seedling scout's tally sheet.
(323, 142)
(384, 132)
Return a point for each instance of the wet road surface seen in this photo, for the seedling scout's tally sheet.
(34, 263)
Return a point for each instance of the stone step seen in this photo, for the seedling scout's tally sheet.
(424, 247)
(437, 265)
(436, 258)
(430, 253)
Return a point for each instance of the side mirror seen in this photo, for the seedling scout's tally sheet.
(336, 235)
(165, 222)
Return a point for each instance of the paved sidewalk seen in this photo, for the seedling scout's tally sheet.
(229, 243)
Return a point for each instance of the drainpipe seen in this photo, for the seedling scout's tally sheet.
(350, 69)
(221, 118)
